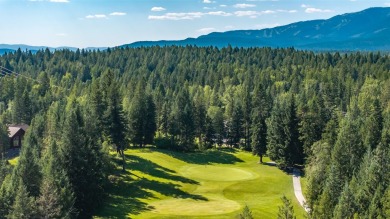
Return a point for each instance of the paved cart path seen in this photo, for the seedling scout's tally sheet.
(298, 189)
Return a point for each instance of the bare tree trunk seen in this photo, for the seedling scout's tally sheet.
(123, 159)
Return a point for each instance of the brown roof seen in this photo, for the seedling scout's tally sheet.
(13, 129)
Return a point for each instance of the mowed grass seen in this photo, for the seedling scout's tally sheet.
(13, 161)
(212, 184)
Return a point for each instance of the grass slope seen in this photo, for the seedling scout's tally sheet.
(212, 184)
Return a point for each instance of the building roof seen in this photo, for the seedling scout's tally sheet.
(13, 129)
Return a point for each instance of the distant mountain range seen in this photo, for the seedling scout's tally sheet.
(12, 48)
(365, 30)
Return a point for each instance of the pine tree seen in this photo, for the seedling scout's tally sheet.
(28, 171)
(259, 126)
(18, 105)
(217, 123)
(346, 206)
(246, 103)
(386, 203)
(311, 123)
(182, 115)
(370, 112)
(97, 104)
(282, 133)
(316, 171)
(7, 196)
(286, 210)
(79, 153)
(113, 117)
(48, 203)
(137, 115)
(56, 199)
(27, 108)
(4, 170)
(348, 150)
(199, 118)
(142, 117)
(24, 205)
(3, 138)
(150, 121)
(259, 136)
(209, 140)
(44, 83)
(246, 213)
(329, 197)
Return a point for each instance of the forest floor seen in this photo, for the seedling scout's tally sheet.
(211, 184)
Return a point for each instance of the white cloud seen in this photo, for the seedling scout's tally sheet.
(54, 1)
(244, 5)
(96, 16)
(177, 16)
(267, 12)
(158, 9)
(59, 1)
(206, 30)
(219, 13)
(208, 8)
(208, 1)
(317, 10)
(245, 13)
(252, 14)
(187, 16)
(304, 6)
(287, 11)
(223, 6)
(118, 14)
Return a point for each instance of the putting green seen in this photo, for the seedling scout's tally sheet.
(216, 173)
(190, 207)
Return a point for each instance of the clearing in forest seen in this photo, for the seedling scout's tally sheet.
(211, 184)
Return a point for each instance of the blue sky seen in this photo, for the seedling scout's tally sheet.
(100, 23)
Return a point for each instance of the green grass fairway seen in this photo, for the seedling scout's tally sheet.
(212, 184)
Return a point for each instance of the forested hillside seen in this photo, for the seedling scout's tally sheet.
(328, 112)
(366, 30)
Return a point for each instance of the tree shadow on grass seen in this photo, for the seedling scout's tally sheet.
(124, 199)
(221, 156)
(168, 189)
(153, 169)
(127, 190)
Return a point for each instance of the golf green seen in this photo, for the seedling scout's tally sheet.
(216, 173)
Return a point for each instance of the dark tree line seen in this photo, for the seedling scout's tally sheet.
(328, 111)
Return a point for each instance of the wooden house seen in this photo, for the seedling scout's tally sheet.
(16, 134)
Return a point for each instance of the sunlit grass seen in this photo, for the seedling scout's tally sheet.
(212, 184)
(13, 161)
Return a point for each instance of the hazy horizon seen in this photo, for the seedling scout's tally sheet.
(72, 23)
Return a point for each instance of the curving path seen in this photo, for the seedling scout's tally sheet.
(298, 189)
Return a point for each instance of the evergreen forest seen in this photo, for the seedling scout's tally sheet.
(327, 113)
